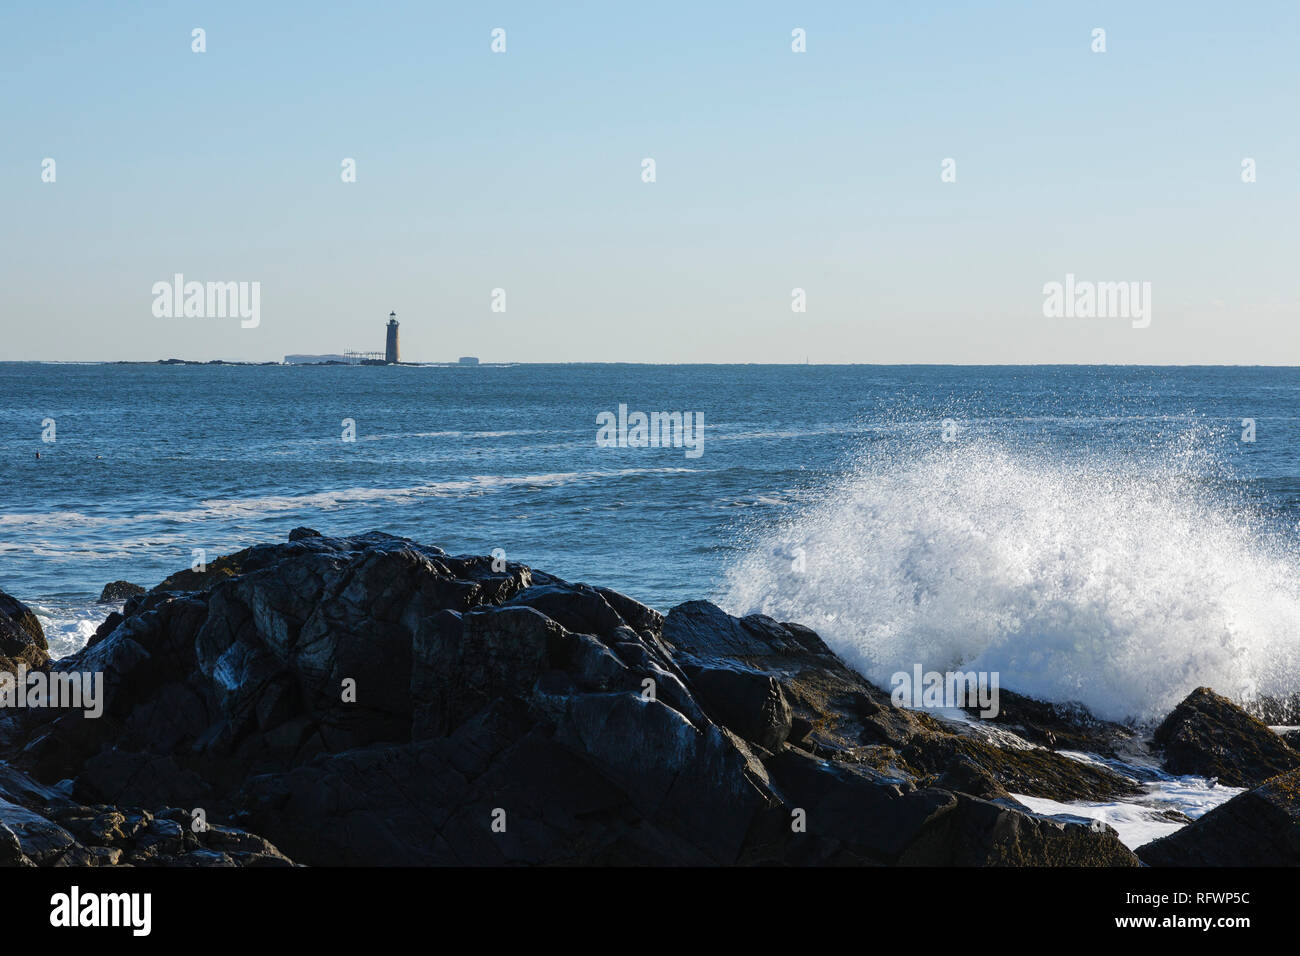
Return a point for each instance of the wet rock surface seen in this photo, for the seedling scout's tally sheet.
(1210, 736)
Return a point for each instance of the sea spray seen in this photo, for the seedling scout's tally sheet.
(1119, 583)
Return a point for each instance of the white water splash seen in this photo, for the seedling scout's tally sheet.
(68, 624)
(1120, 586)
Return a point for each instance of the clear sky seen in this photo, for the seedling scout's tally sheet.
(775, 170)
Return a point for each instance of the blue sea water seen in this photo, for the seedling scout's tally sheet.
(1099, 533)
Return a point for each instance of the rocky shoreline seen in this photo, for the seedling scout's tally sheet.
(374, 701)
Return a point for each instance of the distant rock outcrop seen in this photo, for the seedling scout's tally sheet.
(117, 591)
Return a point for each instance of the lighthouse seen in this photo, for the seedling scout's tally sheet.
(390, 347)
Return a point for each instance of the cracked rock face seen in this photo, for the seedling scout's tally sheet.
(371, 700)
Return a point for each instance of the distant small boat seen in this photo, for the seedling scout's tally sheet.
(467, 360)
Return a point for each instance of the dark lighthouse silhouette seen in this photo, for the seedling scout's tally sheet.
(391, 355)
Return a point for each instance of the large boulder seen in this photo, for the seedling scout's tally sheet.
(1210, 736)
(1260, 827)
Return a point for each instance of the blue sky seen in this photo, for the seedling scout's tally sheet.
(775, 170)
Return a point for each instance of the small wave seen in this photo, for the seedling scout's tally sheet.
(214, 509)
(781, 435)
(51, 519)
(395, 436)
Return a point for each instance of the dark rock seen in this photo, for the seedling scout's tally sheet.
(207, 858)
(985, 833)
(17, 618)
(116, 591)
(1260, 827)
(39, 826)
(436, 799)
(160, 838)
(1059, 726)
(853, 811)
(1033, 771)
(42, 840)
(124, 778)
(845, 712)
(748, 702)
(693, 781)
(11, 850)
(576, 607)
(22, 639)
(105, 855)
(965, 775)
(107, 627)
(1210, 736)
(642, 619)
(298, 534)
(107, 829)
(231, 840)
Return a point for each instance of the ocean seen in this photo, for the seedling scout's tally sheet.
(1110, 535)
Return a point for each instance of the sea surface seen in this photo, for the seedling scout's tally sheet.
(1099, 534)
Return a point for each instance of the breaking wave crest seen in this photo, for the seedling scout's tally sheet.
(1117, 584)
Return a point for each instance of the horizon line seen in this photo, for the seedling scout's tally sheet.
(455, 364)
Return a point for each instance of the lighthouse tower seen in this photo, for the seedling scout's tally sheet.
(390, 347)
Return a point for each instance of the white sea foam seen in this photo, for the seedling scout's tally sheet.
(50, 519)
(402, 436)
(223, 508)
(1120, 584)
(69, 624)
(766, 435)
(1142, 819)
